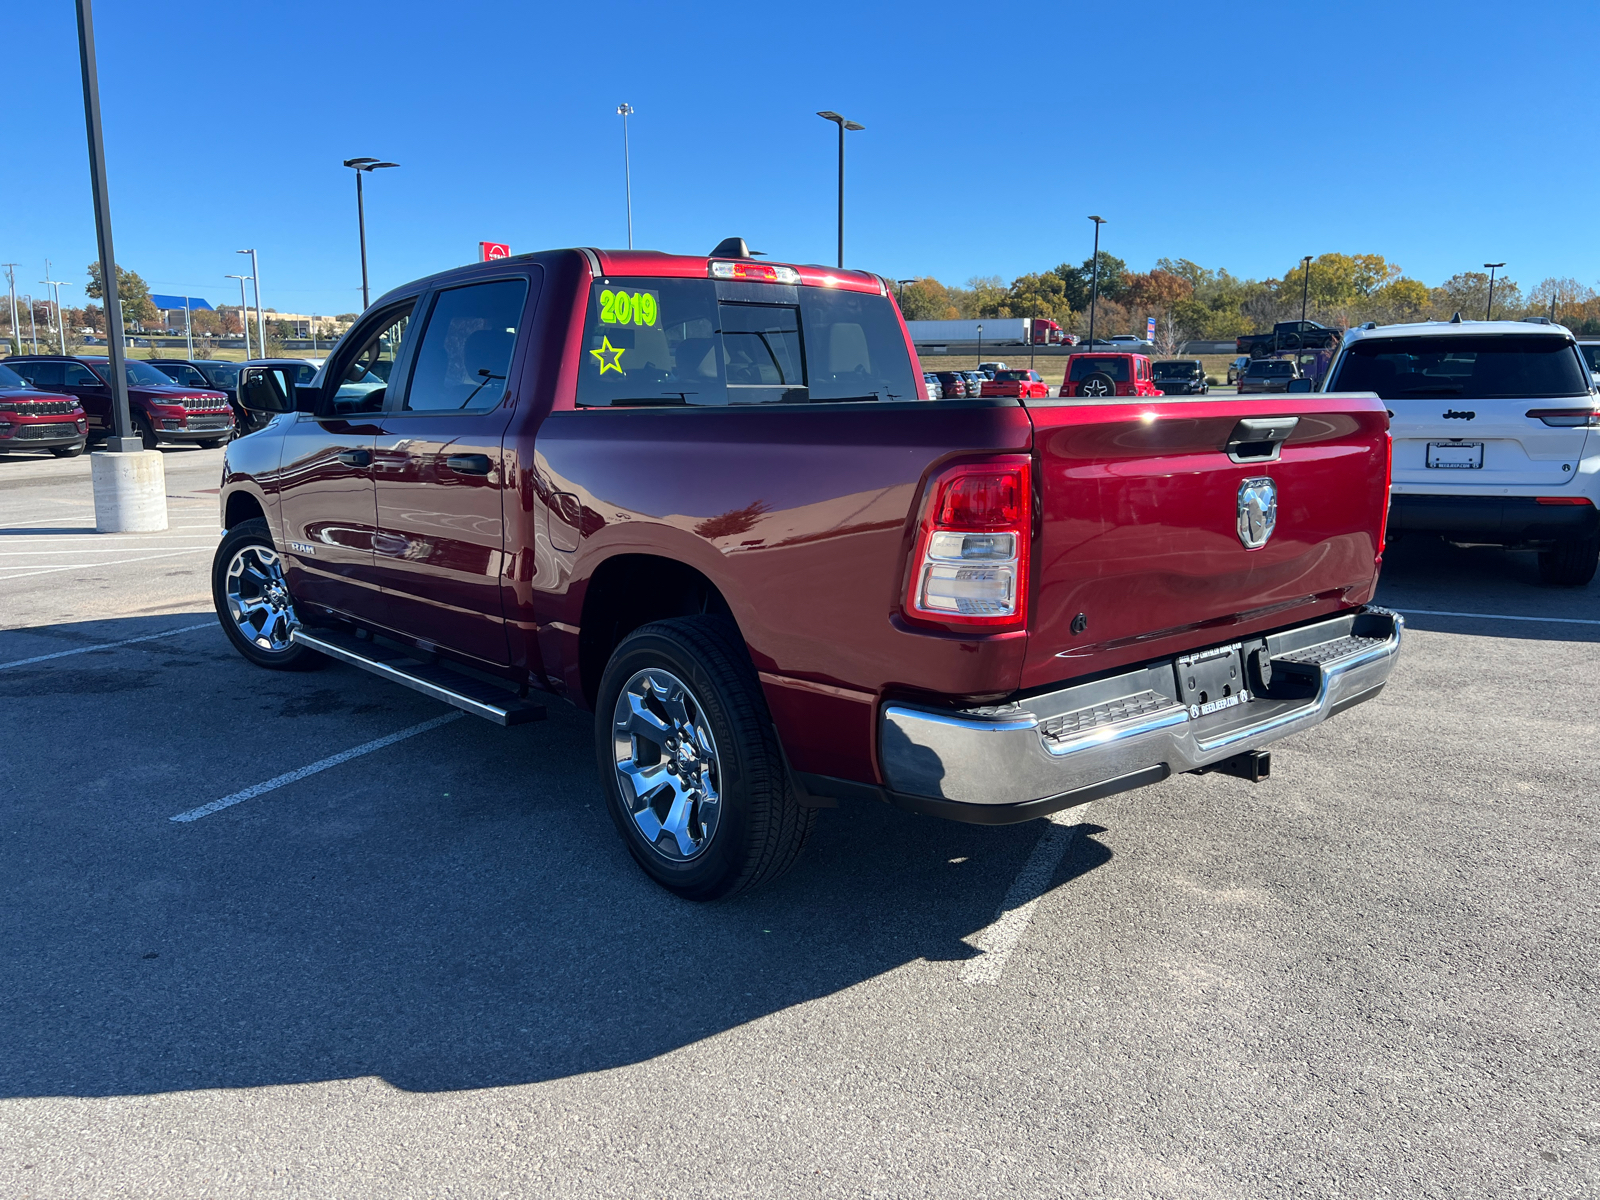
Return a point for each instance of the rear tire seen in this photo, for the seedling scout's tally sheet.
(690, 763)
(1571, 562)
(253, 601)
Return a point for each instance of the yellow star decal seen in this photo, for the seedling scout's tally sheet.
(607, 348)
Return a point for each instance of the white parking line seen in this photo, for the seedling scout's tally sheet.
(344, 756)
(209, 543)
(1434, 612)
(149, 637)
(998, 939)
(115, 562)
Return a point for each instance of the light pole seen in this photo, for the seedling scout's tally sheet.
(1094, 279)
(853, 128)
(244, 314)
(61, 325)
(16, 330)
(33, 329)
(188, 329)
(361, 166)
(255, 286)
(980, 341)
(625, 111)
(1489, 309)
(1305, 285)
(901, 284)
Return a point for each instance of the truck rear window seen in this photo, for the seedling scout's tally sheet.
(1487, 367)
(707, 342)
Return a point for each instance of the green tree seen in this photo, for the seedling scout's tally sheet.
(1468, 294)
(1113, 276)
(131, 290)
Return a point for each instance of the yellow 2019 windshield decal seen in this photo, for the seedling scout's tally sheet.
(613, 353)
(629, 308)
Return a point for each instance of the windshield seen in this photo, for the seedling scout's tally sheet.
(10, 379)
(142, 374)
(1591, 355)
(1483, 367)
(223, 375)
(1176, 370)
(182, 374)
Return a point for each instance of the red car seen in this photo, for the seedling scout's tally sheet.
(706, 499)
(1100, 375)
(31, 419)
(161, 410)
(1025, 385)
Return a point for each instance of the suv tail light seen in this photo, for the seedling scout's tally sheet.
(971, 564)
(1388, 491)
(1568, 418)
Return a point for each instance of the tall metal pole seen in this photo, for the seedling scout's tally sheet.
(244, 314)
(61, 324)
(123, 438)
(33, 329)
(1305, 285)
(361, 223)
(255, 285)
(51, 285)
(1488, 311)
(625, 111)
(188, 328)
(841, 195)
(16, 330)
(1094, 283)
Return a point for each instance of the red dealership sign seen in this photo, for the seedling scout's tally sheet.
(488, 251)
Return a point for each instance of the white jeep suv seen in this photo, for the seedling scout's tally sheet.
(1496, 428)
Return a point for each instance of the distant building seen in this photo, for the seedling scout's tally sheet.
(172, 308)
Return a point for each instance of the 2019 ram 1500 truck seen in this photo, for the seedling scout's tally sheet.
(707, 499)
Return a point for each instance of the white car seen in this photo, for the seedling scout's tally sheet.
(1130, 340)
(1496, 428)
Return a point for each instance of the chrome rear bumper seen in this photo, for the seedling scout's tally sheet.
(1016, 761)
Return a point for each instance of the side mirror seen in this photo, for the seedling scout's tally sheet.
(1301, 385)
(267, 389)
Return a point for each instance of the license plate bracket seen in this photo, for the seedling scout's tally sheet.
(1212, 680)
(1455, 455)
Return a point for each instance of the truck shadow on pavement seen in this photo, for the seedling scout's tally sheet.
(454, 911)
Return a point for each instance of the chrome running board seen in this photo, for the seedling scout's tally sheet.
(470, 695)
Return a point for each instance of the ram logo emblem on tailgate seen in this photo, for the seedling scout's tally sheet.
(1258, 511)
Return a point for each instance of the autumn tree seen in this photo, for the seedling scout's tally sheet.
(923, 299)
(132, 291)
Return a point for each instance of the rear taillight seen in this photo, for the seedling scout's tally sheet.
(971, 564)
(1567, 418)
(1388, 487)
(1564, 500)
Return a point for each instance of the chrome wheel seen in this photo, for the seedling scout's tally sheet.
(667, 764)
(258, 598)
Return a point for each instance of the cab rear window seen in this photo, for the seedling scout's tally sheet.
(715, 343)
(1488, 367)
(1116, 367)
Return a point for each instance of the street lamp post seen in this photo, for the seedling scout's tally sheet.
(33, 328)
(1305, 285)
(361, 166)
(244, 313)
(188, 329)
(625, 111)
(16, 330)
(901, 284)
(255, 286)
(61, 325)
(1489, 308)
(1094, 279)
(980, 341)
(853, 127)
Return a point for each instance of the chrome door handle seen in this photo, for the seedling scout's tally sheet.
(469, 464)
(356, 458)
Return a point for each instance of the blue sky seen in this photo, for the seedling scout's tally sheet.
(1440, 135)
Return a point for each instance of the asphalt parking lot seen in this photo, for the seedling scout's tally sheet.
(431, 969)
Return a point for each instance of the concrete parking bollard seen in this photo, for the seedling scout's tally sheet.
(130, 492)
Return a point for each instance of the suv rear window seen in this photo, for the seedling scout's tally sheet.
(707, 342)
(1485, 367)
(1114, 366)
(1259, 369)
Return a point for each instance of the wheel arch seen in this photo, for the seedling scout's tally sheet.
(240, 506)
(629, 590)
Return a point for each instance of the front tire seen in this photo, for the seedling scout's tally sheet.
(145, 430)
(1571, 562)
(253, 602)
(690, 763)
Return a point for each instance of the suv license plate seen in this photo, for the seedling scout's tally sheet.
(1456, 456)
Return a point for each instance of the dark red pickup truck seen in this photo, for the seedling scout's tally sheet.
(707, 499)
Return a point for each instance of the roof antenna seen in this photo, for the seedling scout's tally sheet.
(734, 247)
(1456, 320)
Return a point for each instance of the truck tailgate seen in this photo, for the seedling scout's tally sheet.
(1139, 551)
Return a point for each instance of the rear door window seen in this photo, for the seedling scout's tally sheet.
(1465, 367)
(706, 342)
(44, 375)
